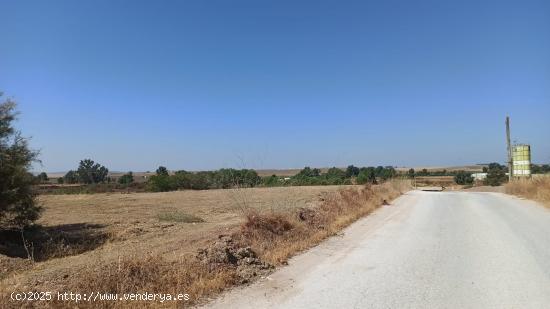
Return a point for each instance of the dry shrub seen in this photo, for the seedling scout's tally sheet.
(265, 225)
(536, 188)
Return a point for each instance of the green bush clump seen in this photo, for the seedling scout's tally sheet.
(464, 178)
(496, 174)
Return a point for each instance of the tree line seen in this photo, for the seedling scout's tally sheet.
(224, 178)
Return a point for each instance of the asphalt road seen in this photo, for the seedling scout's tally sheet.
(426, 250)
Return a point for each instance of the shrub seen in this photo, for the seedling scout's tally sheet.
(42, 177)
(335, 176)
(71, 177)
(367, 175)
(126, 178)
(540, 169)
(162, 171)
(352, 171)
(162, 183)
(271, 181)
(386, 173)
(464, 178)
(496, 174)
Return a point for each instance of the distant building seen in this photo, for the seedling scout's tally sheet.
(479, 176)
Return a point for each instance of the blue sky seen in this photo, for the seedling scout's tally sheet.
(277, 84)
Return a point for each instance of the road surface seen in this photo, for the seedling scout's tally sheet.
(426, 250)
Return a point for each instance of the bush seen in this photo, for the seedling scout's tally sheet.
(335, 176)
(126, 178)
(386, 173)
(271, 181)
(42, 177)
(71, 177)
(496, 174)
(162, 171)
(464, 178)
(162, 183)
(18, 206)
(352, 171)
(367, 175)
(540, 169)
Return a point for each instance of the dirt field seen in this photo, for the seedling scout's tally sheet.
(147, 223)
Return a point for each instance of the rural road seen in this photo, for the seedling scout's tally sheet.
(426, 250)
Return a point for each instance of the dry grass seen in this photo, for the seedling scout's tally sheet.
(536, 188)
(278, 236)
(274, 233)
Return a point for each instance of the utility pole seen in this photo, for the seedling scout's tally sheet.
(510, 163)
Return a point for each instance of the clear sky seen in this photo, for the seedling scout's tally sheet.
(277, 84)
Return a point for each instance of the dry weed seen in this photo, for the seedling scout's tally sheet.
(535, 188)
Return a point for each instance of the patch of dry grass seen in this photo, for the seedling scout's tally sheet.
(536, 188)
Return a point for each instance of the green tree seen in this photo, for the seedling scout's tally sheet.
(367, 175)
(309, 172)
(226, 178)
(183, 179)
(126, 179)
(352, 171)
(387, 172)
(42, 177)
(307, 176)
(162, 171)
(411, 173)
(496, 174)
(202, 180)
(271, 181)
(536, 169)
(71, 177)
(18, 206)
(162, 183)
(464, 178)
(90, 172)
(249, 178)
